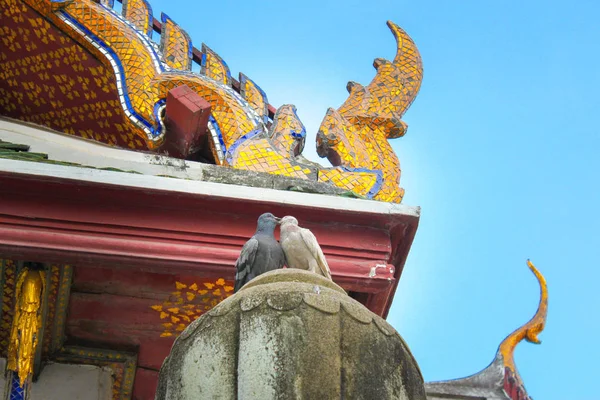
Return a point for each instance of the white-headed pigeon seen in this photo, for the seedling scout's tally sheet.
(260, 254)
(301, 248)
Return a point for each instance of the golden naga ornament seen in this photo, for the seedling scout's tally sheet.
(27, 321)
(123, 101)
(531, 329)
(356, 135)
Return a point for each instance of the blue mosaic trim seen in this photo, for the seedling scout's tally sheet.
(217, 128)
(64, 2)
(243, 79)
(116, 63)
(150, 18)
(158, 106)
(150, 45)
(16, 391)
(233, 148)
(153, 133)
(297, 135)
(251, 134)
(378, 182)
(302, 133)
(206, 49)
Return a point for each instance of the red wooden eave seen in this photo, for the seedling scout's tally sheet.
(86, 217)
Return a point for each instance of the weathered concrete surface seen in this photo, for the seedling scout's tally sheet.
(290, 334)
(87, 153)
(73, 382)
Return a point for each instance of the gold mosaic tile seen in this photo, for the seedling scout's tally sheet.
(275, 152)
(287, 132)
(144, 79)
(355, 136)
(139, 13)
(214, 67)
(176, 45)
(360, 183)
(254, 95)
(48, 79)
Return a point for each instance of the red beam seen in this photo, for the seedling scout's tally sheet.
(120, 320)
(145, 384)
(142, 229)
(187, 122)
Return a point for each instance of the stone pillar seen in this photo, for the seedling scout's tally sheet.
(290, 334)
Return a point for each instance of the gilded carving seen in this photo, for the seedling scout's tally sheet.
(531, 329)
(27, 321)
(353, 137)
(356, 135)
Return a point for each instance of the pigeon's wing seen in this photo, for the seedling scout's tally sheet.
(313, 246)
(245, 262)
(282, 258)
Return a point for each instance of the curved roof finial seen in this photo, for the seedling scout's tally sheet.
(531, 329)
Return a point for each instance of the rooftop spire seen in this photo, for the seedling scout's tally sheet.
(531, 329)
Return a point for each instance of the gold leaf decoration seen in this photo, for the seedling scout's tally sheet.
(188, 303)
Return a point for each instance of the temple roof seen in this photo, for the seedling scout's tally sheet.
(29, 142)
(500, 380)
(97, 73)
(487, 384)
(96, 114)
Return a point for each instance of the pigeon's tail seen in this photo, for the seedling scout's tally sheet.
(241, 279)
(238, 285)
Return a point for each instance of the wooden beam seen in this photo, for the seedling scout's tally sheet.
(148, 227)
(187, 117)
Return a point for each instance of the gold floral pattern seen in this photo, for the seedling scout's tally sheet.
(190, 301)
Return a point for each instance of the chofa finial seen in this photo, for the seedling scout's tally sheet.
(531, 329)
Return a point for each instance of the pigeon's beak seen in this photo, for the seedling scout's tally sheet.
(278, 220)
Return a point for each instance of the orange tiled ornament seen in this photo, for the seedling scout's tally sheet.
(116, 82)
(356, 135)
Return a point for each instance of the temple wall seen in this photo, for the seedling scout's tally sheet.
(66, 381)
(75, 382)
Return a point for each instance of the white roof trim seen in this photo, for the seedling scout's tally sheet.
(212, 189)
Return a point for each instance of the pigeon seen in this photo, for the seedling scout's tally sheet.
(301, 248)
(260, 254)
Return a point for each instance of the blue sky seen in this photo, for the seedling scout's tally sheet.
(501, 154)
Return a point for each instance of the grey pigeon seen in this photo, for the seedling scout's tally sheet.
(301, 248)
(260, 254)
